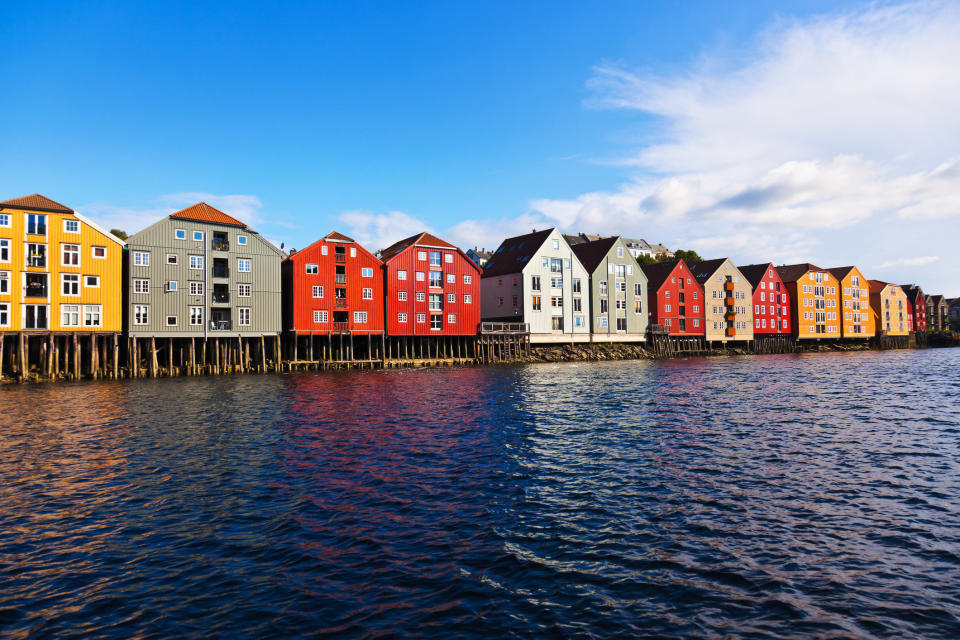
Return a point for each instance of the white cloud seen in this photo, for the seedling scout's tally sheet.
(380, 230)
(831, 139)
(909, 262)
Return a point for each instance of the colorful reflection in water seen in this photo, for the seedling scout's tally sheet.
(810, 495)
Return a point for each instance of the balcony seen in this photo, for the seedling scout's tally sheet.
(730, 317)
(340, 327)
(730, 302)
(340, 258)
(220, 297)
(731, 332)
(340, 278)
(219, 245)
(220, 325)
(340, 303)
(728, 286)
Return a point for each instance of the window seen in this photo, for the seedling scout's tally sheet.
(4, 219)
(535, 283)
(638, 289)
(556, 301)
(243, 265)
(360, 317)
(4, 250)
(604, 306)
(4, 282)
(401, 317)
(601, 321)
(198, 236)
(171, 321)
(196, 262)
(172, 258)
(436, 279)
(170, 286)
(556, 283)
(36, 255)
(467, 279)
(452, 297)
(36, 224)
(71, 255)
(515, 301)
(367, 294)
(435, 259)
(70, 315)
(70, 284)
(556, 323)
(451, 318)
(420, 276)
(436, 322)
(500, 300)
(556, 265)
(436, 302)
(452, 278)
(244, 290)
(243, 316)
(535, 303)
(366, 272)
(319, 316)
(421, 296)
(556, 245)
(467, 298)
(180, 234)
(576, 304)
(353, 252)
(241, 239)
(141, 285)
(196, 288)
(603, 287)
(421, 255)
(4, 314)
(323, 250)
(71, 226)
(141, 258)
(666, 308)
(141, 313)
(638, 306)
(401, 275)
(421, 317)
(402, 296)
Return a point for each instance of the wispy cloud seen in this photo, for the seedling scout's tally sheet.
(909, 262)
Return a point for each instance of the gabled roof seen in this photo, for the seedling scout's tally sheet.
(658, 272)
(876, 286)
(333, 236)
(841, 272)
(422, 238)
(704, 269)
(754, 273)
(592, 253)
(912, 292)
(36, 202)
(513, 253)
(937, 299)
(336, 236)
(572, 240)
(793, 272)
(203, 212)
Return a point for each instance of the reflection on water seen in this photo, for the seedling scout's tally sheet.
(811, 495)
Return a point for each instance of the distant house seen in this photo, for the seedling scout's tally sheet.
(771, 302)
(917, 306)
(618, 289)
(660, 250)
(889, 306)
(536, 278)
(856, 320)
(675, 299)
(480, 257)
(637, 246)
(814, 301)
(727, 298)
(431, 288)
(938, 312)
(954, 305)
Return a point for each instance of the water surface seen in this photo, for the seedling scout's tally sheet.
(801, 495)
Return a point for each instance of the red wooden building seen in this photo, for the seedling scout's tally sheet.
(675, 299)
(334, 286)
(771, 302)
(431, 288)
(916, 307)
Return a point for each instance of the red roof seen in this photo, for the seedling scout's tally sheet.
(337, 236)
(423, 238)
(36, 202)
(202, 212)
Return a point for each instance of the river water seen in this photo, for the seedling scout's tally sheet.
(811, 495)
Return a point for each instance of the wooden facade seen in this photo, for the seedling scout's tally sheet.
(771, 302)
(675, 299)
(814, 301)
(857, 320)
(727, 297)
(618, 289)
(890, 309)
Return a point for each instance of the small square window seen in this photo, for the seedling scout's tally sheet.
(241, 239)
(71, 226)
(180, 234)
(100, 252)
(91, 281)
(198, 236)
(171, 321)
(171, 258)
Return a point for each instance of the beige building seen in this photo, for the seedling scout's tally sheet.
(727, 300)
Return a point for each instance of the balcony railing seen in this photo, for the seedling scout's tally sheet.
(221, 297)
(341, 327)
(220, 245)
(340, 278)
(731, 331)
(729, 302)
(223, 272)
(659, 328)
(728, 286)
(340, 258)
(512, 328)
(340, 303)
(220, 325)
(730, 316)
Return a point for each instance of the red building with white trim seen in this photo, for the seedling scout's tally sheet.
(917, 307)
(431, 288)
(771, 302)
(333, 286)
(675, 299)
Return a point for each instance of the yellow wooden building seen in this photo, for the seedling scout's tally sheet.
(889, 305)
(815, 301)
(856, 317)
(59, 272)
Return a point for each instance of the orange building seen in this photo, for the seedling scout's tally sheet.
(857, 320)
(815, 301)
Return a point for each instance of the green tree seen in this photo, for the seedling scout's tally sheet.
(687, 255)
(120, 233)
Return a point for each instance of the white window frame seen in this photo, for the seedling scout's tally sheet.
(244, 290)
(401, 317)
(179, 234)
(196, 288)
(93, 252)
(241, 240)
(141, 258)
(5, 220)
(176, 258)
(141, 314)
(4, 314)
(64, 252)
(360, 317)
(4, 283)
(367, 293)
(86, 282)
(195, 262)
(311, 269)
(243, 316)
(244, 262)
(67, 223)
(167, 322)
(467, 298)
(402, 296)
(467, 279)
(366, 272)
(317, 291)
(141, 285)
(76, 315)
(401, 274)
(196, 316)
(63, 284)
(320, 316)
(198, 236)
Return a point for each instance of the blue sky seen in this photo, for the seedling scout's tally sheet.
(481, 120)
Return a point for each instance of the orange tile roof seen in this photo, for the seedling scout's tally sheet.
(203, 212)
(36, 202)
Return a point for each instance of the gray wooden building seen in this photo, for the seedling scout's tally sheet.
(618, 290)
(201, 273)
